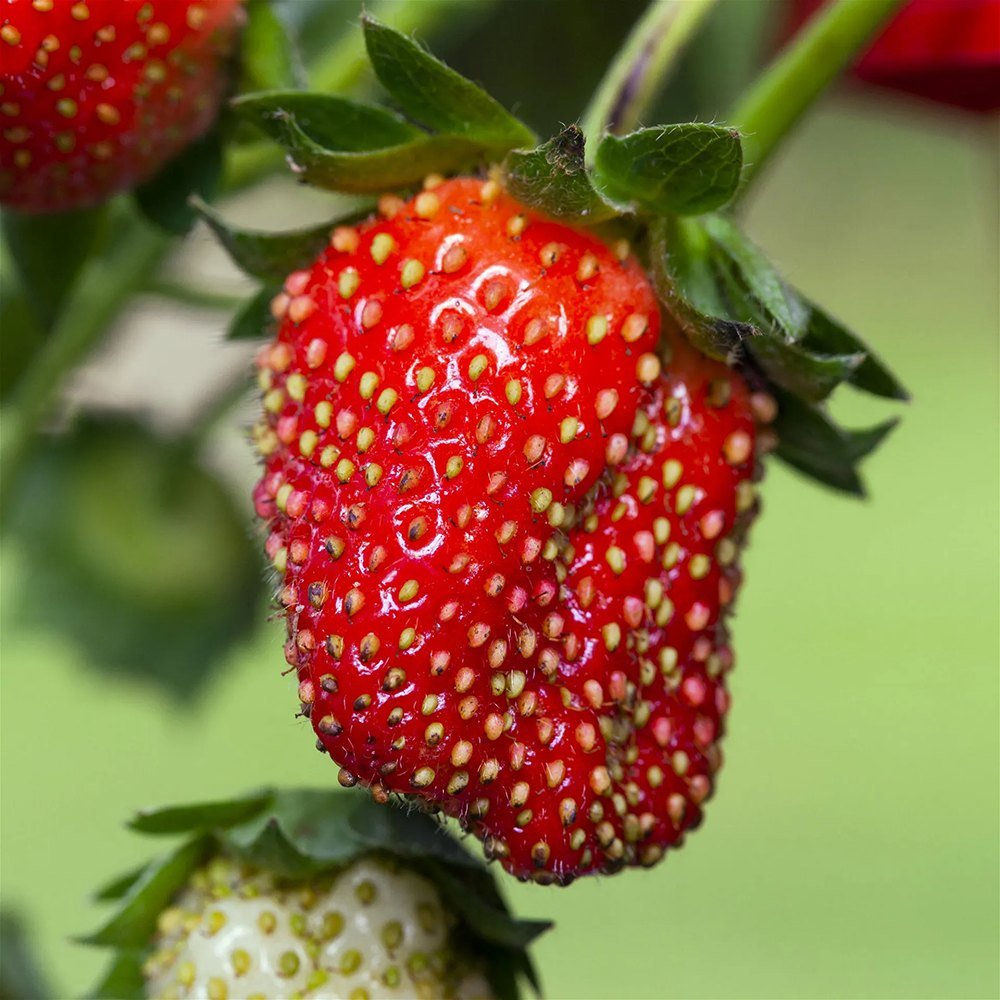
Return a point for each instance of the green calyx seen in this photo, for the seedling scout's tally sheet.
(667, 187)
(447, 122)
(303, 835)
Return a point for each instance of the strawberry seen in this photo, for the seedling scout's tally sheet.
(97, 95)
(309, 894)
(506, 515)
(433, 449)
(373, 928)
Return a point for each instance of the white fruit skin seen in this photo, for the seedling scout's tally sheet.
(399, 896)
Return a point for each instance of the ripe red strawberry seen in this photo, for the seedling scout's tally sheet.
(474, 598)
(96, 95)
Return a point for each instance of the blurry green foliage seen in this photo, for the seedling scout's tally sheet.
(138, 554)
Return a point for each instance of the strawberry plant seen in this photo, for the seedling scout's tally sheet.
(516, 394)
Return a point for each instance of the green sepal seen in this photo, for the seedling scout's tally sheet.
(810, 441)
(48, 253)
(118, 886)
(475, 895)
(805, 374)
(684, 169)
(435, 95)
(268, 57)
(824, 333)
(133, 924)
(328, 121)
(685, 284)
(271, 257)
(734, 306)
(165, 199)
(810, 375)
(552, 178)
(262, 841)
(203, 816)
(253, 320)
(759, 276)
(375, 170)
(414, 836)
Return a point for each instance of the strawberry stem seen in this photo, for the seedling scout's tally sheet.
(110, 281)
(641, 66)
(189, 295)
(801, 72)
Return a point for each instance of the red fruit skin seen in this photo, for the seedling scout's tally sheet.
(441, 648)
(99, 94)
(942, 50)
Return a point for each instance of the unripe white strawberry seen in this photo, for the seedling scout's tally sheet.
(373, 930)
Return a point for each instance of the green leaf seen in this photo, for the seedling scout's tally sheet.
(49, 251)
(683, 169)
(253, 320)
(376, 170)
(165, 199)
(133, 924)
(553, 180)
(810, 441)
(759, 276)
(124, 979)
(438, 97)
(117, 520)
(331, 122)
(824, 333)
(271, 257)
(683, 283)
(201, 815)
(269, 60)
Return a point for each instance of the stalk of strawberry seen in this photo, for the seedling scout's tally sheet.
(97, 95)
(507, 528)
(312, 895)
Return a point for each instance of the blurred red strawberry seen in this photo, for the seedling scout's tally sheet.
(942, 50)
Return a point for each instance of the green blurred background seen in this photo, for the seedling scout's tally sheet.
(852, 850)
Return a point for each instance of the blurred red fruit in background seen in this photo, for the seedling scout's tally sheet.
(942, 50)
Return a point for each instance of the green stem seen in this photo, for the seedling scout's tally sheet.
(110, 281)
(796, 78)
(189, 295)
(642, 65)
